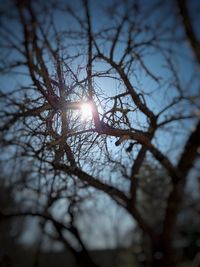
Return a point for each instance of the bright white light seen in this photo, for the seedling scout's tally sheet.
(86, 111)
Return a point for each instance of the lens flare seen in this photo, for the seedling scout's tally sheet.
(86, 111)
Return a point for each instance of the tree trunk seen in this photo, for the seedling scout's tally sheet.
(158, 252)
(85, 260)
(163, 254)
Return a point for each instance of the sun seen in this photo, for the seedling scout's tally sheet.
(86, 111)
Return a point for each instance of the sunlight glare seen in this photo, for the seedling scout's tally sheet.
(86, 111)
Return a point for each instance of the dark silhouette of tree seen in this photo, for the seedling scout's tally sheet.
(130, 63)
(9, 230)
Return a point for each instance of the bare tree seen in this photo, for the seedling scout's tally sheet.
(141, 85)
